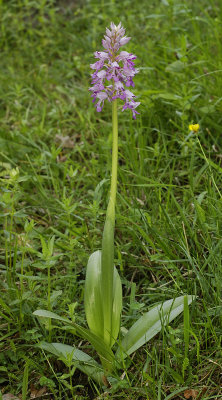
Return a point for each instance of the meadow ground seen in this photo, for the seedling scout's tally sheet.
(54, 172)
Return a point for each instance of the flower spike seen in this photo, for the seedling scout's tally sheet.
(114, 72)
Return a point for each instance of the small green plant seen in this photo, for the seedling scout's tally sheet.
(103, 289)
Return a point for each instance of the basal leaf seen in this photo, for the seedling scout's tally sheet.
(150, 324)
(93, 301)
(107, 266)
(83, 361)
(99, 345)
(117, 306)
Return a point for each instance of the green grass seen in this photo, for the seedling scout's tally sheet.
(169, 204)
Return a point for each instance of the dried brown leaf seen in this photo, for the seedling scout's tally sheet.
(9, 396)
(64, 141)
(190, 393)
(35, 393)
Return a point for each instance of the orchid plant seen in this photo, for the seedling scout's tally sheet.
(113, 75)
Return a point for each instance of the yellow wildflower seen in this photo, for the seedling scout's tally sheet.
(194, 127)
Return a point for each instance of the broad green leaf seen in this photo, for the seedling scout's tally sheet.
(49, 314)
(102, 349)
(107, 267)
(117, 306)
(83, 361)
(150, 324)
(93, 300)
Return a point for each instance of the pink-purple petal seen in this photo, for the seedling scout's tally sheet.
(116, 67)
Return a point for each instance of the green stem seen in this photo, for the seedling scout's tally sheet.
(112, 200)
(108, 237)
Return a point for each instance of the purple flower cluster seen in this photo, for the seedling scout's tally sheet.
(114, 71)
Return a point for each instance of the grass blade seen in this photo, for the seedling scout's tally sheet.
(186, 325)
(25, 381)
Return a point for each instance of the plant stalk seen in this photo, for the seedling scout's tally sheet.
(112, 200)
(108, 237)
